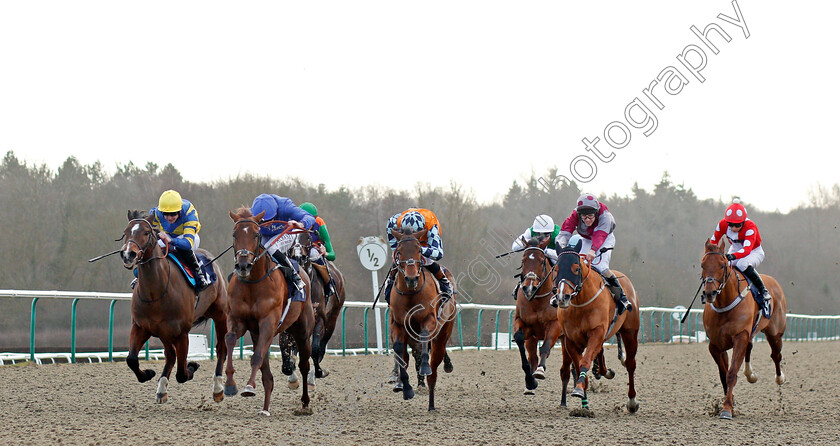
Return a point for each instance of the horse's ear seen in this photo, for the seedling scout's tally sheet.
(419, 234)
(397, 235)
(709, 244)
(578, 245)
(720, 245)
(130, 212)
(259, 216)
(233, 216)
(545, 242)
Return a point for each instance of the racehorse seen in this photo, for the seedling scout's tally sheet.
(731, 319)
(418, 313)
(164, 305)
(259, 303)
(535, 319)
(587, 312)
(326, 316)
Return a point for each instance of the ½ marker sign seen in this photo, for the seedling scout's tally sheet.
(373, 252)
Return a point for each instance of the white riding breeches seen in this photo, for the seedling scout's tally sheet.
(754, 258)
(601, 262)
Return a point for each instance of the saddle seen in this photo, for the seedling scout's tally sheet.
(206, 266)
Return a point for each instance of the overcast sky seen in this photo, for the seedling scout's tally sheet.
(395, 93)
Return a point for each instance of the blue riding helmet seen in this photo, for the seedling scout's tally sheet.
(264, 202)
(413, 221)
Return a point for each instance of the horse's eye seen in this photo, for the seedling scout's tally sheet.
(576, 270)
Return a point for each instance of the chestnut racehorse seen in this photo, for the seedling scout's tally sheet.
(417, 313)
(163, 304)
(731, 318)
(259, 303)
(587, 312)
(535, 319)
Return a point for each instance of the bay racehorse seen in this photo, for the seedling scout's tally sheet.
(163, 304)
(259, 304)
(587, 312)
(418, 313)
(326, 314)
(731, 318)
(535, 319)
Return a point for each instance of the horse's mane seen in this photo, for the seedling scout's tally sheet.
(405, 231)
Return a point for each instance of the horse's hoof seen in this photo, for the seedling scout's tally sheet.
(529, 392)
(192, 367)
(780, 379)
(752, 378)
(539, 373)
(421, 384)
(725, 415)
(447, 367)
(218, 397)
(319, 374)
(610, 374)
(398, 386)
(324, 373)
(162, 398)
(531, 383)
(231, 390)
(408, 393)
(293, 381)
(392, 379)
(303, 411)
(632, 405)
(248, 391)
(425, 370)
(287, 369)
(264, 413)
(148, 374)
(577, 392)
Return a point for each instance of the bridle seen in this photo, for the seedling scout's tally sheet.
(533, 276)
(398, 264)
(575, 287)
(254, 256)
(150, 242)
(705, 280)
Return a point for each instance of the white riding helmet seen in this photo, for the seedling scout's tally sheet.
(543, 223)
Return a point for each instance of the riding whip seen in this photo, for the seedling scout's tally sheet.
(103, 256)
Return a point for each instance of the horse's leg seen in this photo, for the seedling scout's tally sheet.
(564, 371)
(722, 361)
(401, 355)
(220, 322)
(631, 342)
(425, 337)
(317, 354)
(262, 337)
(447, 363)
(593, 346)
(552, 333)
(776, 355)
(415, 353)
(738, 351)
(162, 394)
(438, 351)
(237, 330)
(137, 338)
(519, 336)
(329, 329)
(268, 385)
(748, 371)
(576, 358)
(185, 369)
(302, 340)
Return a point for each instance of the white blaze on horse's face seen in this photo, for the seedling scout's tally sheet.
(531, 256)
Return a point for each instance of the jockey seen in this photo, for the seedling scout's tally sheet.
(431, 243)
(745, 251)
(282, 209)
(543, 227)
(177, 222)
(595, 224)
(321, 247)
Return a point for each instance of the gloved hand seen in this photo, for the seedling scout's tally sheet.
(730, 257)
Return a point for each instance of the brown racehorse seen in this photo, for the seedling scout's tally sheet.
(535, 319)
(417, 313)
(259, 303)
(163, 304)
(587, 312)
(326, 316)
(732, 317)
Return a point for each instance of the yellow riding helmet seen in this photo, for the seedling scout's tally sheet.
(170, 201)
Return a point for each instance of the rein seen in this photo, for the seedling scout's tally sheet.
(533, 276)
(256, 257)
(728, 271)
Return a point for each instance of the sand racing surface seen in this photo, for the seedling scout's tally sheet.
(481, 402)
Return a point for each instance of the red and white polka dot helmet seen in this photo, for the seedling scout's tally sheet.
(736, 212)
(587, 203)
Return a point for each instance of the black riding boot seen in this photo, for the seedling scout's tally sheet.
(763, 298)
(292, 277)
(445, 285)
(189, 259)
(621, 302)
